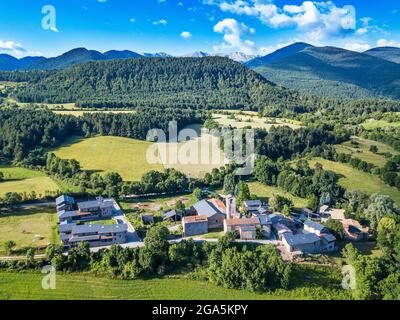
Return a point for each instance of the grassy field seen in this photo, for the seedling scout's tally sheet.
(196, 156)
(105, 154)
(80, 113)
(372, 124)
(353, 179)
(252, 119)
(362, 152)
(23, 225)
(22, 180)
(264, 191)
(27, 286)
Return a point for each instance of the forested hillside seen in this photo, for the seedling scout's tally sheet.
(335, 73)
(211, 82)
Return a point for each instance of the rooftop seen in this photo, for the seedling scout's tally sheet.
(207, 208)
(301, 239)
(242, 222)
(253, 203)
(64, 199)
(90, 228)
(195, 219)
(315, 225)
(98, 203)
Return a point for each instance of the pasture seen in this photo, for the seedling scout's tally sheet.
(361, 150)
(373, 124)
(353, 179)
(21, 180)
(29, 226)
(264, 192)
(253, 120)
(110, 154)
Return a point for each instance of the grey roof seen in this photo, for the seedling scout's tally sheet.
(329, 237)
(91, 228)
(98, 203)
(299, 239)
(205, 207)
(253, 203)
(315, 225)
(66, 227)
(264, 219)
(67, 214)
(169, 214)
(64, 199)
(278, 218)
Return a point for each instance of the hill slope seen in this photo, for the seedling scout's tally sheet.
(334, 72)
(211, 82)
(387, 53)
(278, 54)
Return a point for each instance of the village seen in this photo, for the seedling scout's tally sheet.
(102, 223)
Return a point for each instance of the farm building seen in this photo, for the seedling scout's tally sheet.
(148, 218)
(302, 243)
(195, 225)
(100, 207)
(309, 213)
(314, 227)
(95, 235)
(65, 203)
(327, 213)
(213, 209)
(247, 224)
(172, 215)
(280, 229)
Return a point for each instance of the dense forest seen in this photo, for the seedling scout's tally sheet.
(179, 82)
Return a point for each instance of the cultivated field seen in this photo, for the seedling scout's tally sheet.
(248, 118)
(321, 283)
(22, 180)
(353, 179)
(264, 192)
(362, 152)
(29, 227)
(105, 154)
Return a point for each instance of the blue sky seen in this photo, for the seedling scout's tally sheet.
(183, 26)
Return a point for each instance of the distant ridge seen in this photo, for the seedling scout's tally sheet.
(387, 53)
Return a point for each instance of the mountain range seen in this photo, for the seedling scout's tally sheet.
(322, 71)
(81, 55)
(333, 72)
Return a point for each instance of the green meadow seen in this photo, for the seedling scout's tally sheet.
(353, 179)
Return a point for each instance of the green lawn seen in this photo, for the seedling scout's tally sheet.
(105, 154)
(22, 180)
(372, 124)
(27, 286)
(103, 222)
(353, 179)
(264, 191)
(23, 225)
(362, 151)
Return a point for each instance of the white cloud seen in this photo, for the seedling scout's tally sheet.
(233, 32)
(162, 22)
(387, 43)
(355, 46)
(318, 20)
(102, 1)
(133, 20)
(11, 46)
(186, 35)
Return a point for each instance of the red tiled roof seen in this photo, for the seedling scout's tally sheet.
(240, 222)
(195, 219)
(219, 204)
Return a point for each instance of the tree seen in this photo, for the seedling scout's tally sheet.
(278, 203)
(373, 149)
(229, 184)
(243, 192)
(379, 207)
(266, 171)
(9, 246)
(1, 176)
(336, 228)
(197, 194)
